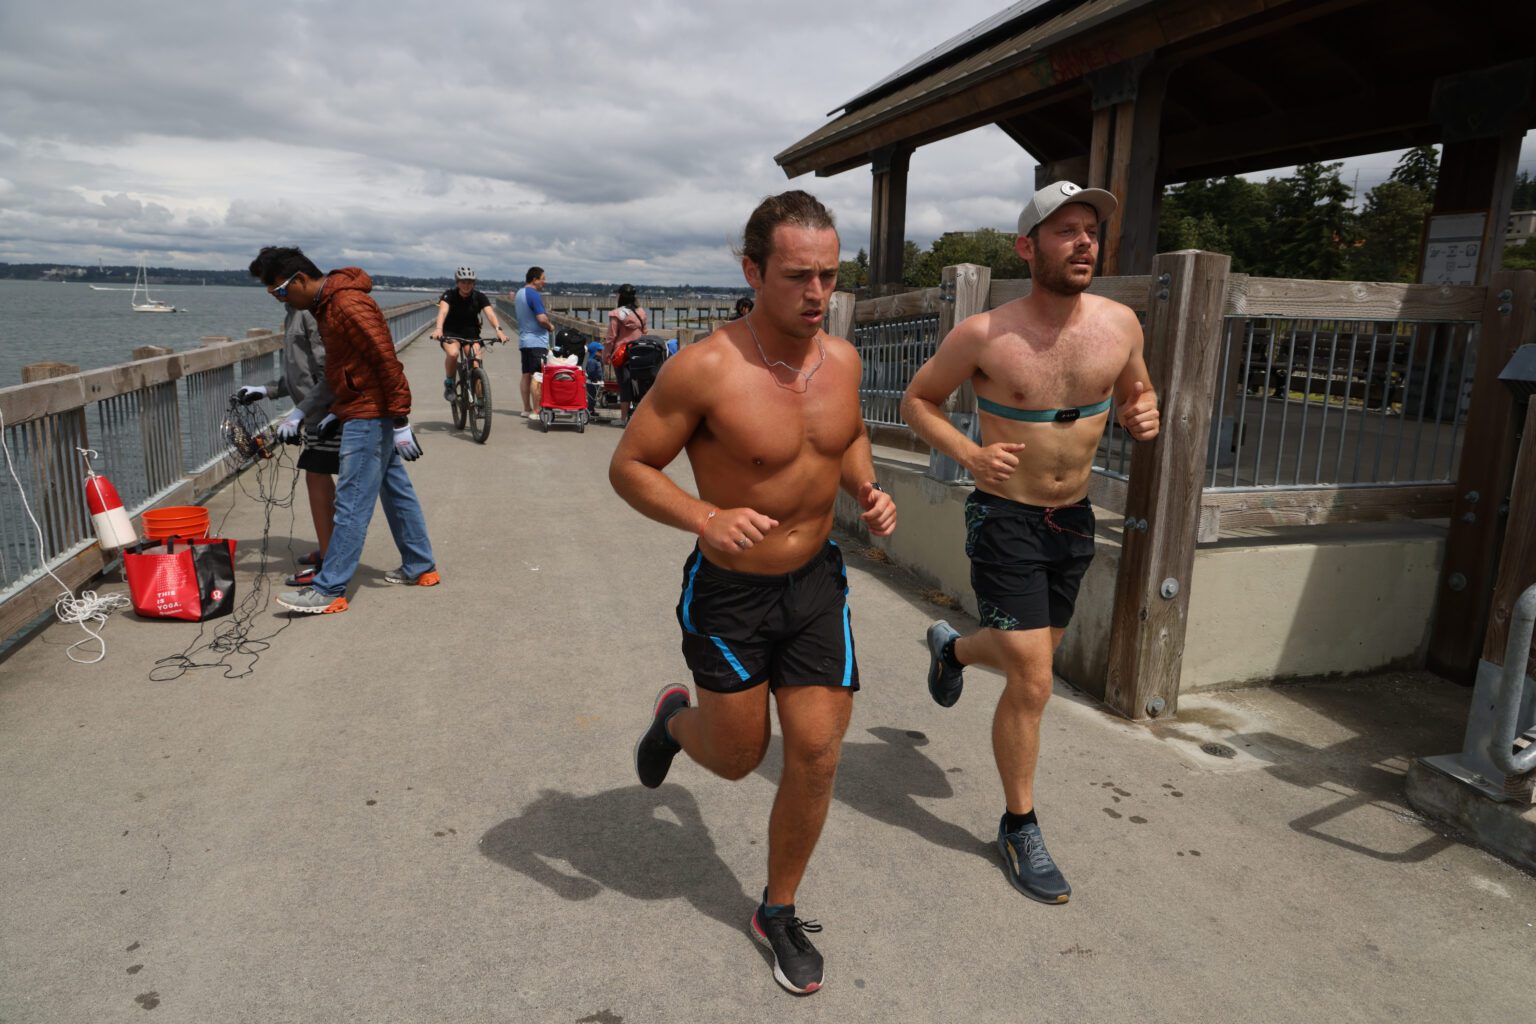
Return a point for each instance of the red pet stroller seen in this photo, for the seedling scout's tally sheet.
(563, 397)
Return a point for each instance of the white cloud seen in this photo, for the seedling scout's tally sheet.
(599, 140)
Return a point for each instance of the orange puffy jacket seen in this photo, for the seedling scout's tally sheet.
(361, 367)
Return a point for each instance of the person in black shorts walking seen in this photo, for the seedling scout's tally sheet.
(458, 316)
(1045, 368)
(764, 594)
(533, 331)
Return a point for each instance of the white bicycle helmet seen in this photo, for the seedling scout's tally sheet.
(464, 274)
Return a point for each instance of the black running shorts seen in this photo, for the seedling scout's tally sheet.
(533, 359)
(792, 629)
(1027, 561)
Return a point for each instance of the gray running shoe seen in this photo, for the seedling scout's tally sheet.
(430, 578)
(944, 681)
(310, 601)
(447, 389)
(1029, 865)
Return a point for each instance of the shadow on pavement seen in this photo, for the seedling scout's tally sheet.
(1390, 720)
(647, 844)
(883, 780)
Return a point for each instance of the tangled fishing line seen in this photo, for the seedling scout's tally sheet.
(276, 480)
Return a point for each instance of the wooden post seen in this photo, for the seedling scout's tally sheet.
(965, 287)
(1517, 571)
(1131, 240)
(1183, 349)
(1136, 221)
(1098, 149)
(1482, 482)
(55, 463)
(839, 322)
(151, 351)
(888, 215)
(46, 371)
(1517, 560)
(1482, 117)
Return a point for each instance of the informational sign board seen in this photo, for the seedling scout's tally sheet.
(1452, 247)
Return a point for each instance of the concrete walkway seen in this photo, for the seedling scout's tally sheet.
(424, 810)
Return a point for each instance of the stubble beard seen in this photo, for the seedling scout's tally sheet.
(1055, 277)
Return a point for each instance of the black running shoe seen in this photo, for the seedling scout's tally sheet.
(796, 964)
(1029, 865)
(654, 752)
(944, 680)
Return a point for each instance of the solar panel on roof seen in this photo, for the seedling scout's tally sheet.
(1025, 11)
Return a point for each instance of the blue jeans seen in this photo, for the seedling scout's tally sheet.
(371, 470)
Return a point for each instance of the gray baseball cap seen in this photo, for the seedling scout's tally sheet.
(1046, 201)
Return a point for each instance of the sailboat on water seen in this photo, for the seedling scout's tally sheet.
(147, 304)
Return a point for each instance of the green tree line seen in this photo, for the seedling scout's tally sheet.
(1303, 226)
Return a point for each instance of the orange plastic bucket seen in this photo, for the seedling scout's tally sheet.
(190, 521)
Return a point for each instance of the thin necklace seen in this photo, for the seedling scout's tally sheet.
(822, 345)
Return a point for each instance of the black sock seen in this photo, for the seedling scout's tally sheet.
(1013, 822)
(775, 909)
(948, 654)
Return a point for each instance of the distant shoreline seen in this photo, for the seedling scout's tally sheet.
(122, 276)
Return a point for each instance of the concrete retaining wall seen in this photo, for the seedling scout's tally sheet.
(1299, 603)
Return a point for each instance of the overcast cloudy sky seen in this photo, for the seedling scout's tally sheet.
(604, 141)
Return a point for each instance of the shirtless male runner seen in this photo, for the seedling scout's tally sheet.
(1044, 369)
(767, 408)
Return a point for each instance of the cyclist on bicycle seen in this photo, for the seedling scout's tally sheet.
(458, 316)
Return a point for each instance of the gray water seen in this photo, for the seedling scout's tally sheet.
(44, 321)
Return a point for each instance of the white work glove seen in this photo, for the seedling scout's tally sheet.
(250, 393)
(406, 444)
(327, 426)
(288, 427)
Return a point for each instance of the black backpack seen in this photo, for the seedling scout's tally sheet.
(570, 342)
(645, 356)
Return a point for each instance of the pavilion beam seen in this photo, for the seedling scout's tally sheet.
(1124, 156)
(888, 215)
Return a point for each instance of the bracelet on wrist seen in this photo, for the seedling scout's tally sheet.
(712, 513)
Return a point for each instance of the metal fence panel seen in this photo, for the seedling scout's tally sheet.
(1338, 403)
(148, 440)
(892, 351)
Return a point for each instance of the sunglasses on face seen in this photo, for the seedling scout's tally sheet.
(281, 291)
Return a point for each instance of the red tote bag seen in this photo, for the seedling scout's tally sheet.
(192, 580)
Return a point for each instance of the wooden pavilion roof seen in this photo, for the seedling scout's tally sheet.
(1253, 84)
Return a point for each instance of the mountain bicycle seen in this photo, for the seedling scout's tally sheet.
(471, 390)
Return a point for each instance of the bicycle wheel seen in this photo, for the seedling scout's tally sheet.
(479, 398)
(458, 402)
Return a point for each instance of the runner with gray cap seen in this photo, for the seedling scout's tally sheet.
(1047, 369)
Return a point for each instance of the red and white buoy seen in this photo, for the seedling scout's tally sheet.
(113, 527)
